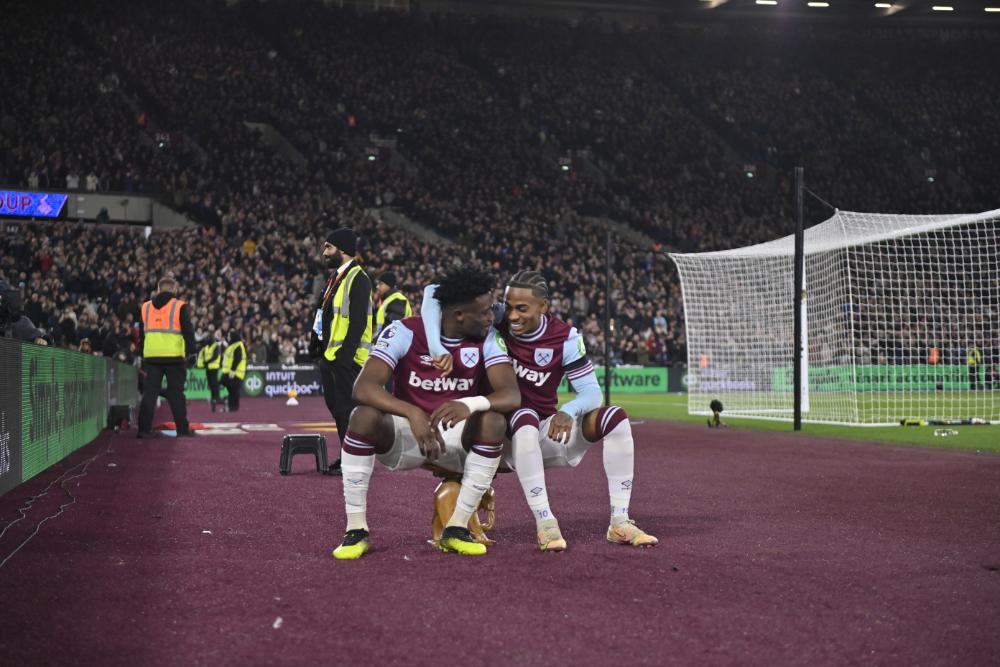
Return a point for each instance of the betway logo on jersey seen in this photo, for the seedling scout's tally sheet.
(530, 374)
(440, 384)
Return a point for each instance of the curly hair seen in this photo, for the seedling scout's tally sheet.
(532, 280)
(463, 285)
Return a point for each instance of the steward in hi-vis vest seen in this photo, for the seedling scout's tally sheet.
(167, 340)
(210, 358)
(393, 304)
(974, 359)
(234, 368)
(342, 327)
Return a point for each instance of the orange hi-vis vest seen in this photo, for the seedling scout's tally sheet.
(161, 327)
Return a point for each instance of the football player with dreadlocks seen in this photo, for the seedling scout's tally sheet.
(544, 349)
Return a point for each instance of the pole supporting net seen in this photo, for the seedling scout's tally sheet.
(902, 321)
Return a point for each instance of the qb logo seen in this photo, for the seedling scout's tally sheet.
(253, 385)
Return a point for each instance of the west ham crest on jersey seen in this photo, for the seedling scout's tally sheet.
(469, 356)
(543, 356)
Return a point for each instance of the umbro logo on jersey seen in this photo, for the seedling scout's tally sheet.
(426, 360)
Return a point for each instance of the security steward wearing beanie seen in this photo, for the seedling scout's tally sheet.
(234, 369)
(393, 304)
(210, 358)
(342, 328)
(167, 338)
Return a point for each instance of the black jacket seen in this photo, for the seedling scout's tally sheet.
(24, 329)
(359, 300)
(395, 310)
(187, 330)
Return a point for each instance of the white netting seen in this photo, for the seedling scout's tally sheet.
(896, 306)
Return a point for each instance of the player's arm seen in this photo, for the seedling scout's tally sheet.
(506, 396)
(430, 314)
(369, 388)
(582, 377)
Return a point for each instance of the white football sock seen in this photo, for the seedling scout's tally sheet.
(530, 470)
(619, 464)
(356, 472)
(476, 479)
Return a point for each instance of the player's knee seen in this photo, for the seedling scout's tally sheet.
(364, 419)
(492, 426)
(603, 421)
(523, 418)
(609, 418)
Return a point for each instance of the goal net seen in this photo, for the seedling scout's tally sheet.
(902, 321)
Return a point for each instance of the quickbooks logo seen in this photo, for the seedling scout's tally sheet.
(253, 384)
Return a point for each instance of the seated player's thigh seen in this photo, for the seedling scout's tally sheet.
(557, 454)
(405, 452)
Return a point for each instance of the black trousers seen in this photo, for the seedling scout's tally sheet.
(175, 374)
(212, 375)
(338, 383)
(974, 383)
(232, 384)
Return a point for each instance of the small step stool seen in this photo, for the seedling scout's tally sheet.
(303, 443)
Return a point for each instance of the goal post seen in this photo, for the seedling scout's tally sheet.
(901, 320)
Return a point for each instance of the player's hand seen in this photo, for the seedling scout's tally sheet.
(449, 414)
(560, 427)
(443, 363)
(428, 437)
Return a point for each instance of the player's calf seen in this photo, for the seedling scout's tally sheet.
(487, 429)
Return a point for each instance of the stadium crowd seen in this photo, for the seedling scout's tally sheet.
(512, 138)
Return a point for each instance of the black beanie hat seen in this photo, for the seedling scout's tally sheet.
(345, 239)
(389, 278)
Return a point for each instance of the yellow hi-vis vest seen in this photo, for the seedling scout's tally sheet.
(161, 329)
(227, 360)
(207, 357)
(395, 296)
(341, 322)
(975, 357)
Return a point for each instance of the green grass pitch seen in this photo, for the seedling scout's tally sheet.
(673, 407)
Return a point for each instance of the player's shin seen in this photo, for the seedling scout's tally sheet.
(357, 462)
(480, 466)
(619, 461)
(528, 463)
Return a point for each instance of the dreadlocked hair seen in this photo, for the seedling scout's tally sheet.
(463, 285)
(532, 280)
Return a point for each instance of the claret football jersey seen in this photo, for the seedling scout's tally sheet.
(542, 358)
(403, 346)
